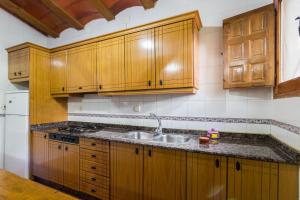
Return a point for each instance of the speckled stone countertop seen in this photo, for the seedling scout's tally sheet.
(250, 146)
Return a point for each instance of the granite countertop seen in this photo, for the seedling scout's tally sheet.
(249, 146)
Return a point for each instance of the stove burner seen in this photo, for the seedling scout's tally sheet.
(78, 129)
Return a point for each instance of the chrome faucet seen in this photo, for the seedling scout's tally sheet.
(158, 130)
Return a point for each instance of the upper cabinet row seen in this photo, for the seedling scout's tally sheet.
(157, 58)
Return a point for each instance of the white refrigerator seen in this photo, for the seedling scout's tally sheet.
(16, 143)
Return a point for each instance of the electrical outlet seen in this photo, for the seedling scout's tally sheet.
(137, 108)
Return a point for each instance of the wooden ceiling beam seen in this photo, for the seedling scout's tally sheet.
(26, 17)
(103, 9)
(61, 13)
(147, 3)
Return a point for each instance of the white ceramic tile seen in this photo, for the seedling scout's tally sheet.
(236, 127)
(215, 108)
(286, 137)
(214, 92)
(196, 108)
(236, 109)
(259, 128)
(194, 125)
(259, 109)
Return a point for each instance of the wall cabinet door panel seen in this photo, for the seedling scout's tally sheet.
(71, 166)
(18, 64)
(56, 162)
(252, 180)
(139, 60)
(164, 174)
(174, 55)
(82, 69)
(249, 49)
(39, 153)
(110, 65)
(58, 74)
(206, 177)
(126, 172)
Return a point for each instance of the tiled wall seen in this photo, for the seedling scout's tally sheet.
(210, 101)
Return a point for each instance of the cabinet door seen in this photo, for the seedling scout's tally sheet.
(174, 55)
(249, 49)
(39, 154)
(18, 63)
(252, 180)
(139, 60)
(56, 162)
(206, 177)
(110, 65)
(126, 171)
(164, 174)
(58, 73)
(71, 166)
(81, 71)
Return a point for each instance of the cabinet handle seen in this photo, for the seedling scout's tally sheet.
(217, 163)
(93, 144)
(63, 88)
(238, 166)
(93, 179)
(93, 167)
(19, 73)
(93, 156)
(136, 151)
(93, 191)
(45, 136)
(59, 146)
(149, 83)
(160, 82)
(80, 88)
(15, 73)
(66, 148)
(100, 87)
(149, 153)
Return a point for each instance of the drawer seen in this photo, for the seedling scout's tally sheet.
(94, 179)
(94, 156)
(95, 191)
(95, 168)
(92, 144)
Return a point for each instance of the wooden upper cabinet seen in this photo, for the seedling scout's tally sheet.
(126, 171)
(164, 174)
(56, 162)
(140, 60)
(58, 76)
(81, 69)
(174, 55)
(110, 65)
(252, 180)
(249, 49)
(18, 65)
(206, 177)
(71, 166)
(39, 155)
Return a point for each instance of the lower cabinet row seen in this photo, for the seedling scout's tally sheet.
(140, 173)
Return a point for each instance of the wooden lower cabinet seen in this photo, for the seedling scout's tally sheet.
(164, 174)
(206, 177)
(126, 171)
(39, 155)
(252, 180)
(64, 164)
(288, 181)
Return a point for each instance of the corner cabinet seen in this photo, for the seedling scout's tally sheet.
(249, 49)
(81, 69)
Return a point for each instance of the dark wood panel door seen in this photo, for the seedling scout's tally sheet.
(56, 162)
(39, 153)
(71, 166)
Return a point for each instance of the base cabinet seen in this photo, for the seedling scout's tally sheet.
(252, 180)
(206, 177)
(126, 171)
(164, 174)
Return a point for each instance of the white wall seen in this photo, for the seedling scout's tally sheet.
(212, 13)
(12, 32)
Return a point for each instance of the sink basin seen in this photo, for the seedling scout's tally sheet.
(179, 139)
(139, 135)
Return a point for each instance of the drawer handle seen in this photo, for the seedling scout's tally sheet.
(93, 167)
(93, 191)
(93, 179)
(238, 166)
(93, 156)
(217, 163)
(93, 144)
(45, 136)
(80, 88)
(19, 73)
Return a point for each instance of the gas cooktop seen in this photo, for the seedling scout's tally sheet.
(78, 129)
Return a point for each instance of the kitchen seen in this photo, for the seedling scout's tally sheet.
(150, 99)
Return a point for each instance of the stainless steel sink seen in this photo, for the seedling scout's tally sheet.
(179, 139)
(139, 135)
